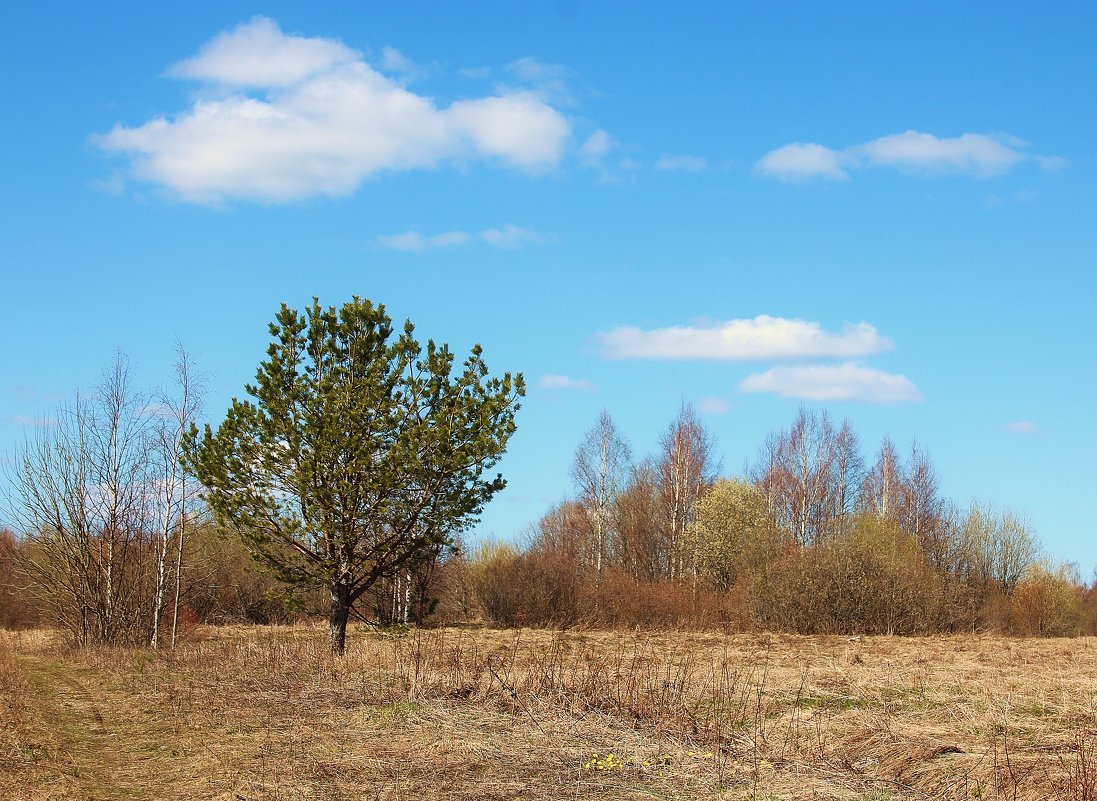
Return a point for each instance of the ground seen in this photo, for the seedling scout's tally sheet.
(244, 714)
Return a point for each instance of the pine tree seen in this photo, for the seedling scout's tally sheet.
(359, 454)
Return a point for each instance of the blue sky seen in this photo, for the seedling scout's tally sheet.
(885, 212)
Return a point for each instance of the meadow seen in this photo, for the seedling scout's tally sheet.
(250, 713)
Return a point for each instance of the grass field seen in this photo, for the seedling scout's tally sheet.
(267, 713)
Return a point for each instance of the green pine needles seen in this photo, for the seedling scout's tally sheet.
(359, 454)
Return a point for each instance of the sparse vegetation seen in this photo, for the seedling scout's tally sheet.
(268, 713)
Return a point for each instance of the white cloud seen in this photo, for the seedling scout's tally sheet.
(283, 117)
(409, 241)
(509, 237)
(912, 152)
(762, 337)
(413, 241)
(843, 382)
(800, 162)
(450, 239)
(392, 60)
(596, 147)
(1051, 163)
(1021, 427)
(563, 383)
(548, 81)
(534, 70)
(915, 152)
(257, 54)
(713, 405)
(682, 163)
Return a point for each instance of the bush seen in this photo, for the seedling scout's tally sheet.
(225, 585)
(1047, 604)
(872, 580)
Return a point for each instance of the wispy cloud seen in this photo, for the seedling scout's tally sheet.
(595, 148)
(843, 382)
(1023, 196)
(681, 163)
(713, 405)
(512, 237)
(21, 393)
(911, 152)
(509, 237)
(762, 337)
(414, 242)
(29, 420)
(392, 60)
(281, 117)
(1021, 427)
(548, 81)
(1051, 163)
(564, 383)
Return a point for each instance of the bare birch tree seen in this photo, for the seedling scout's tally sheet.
(882, 489)
(83, 503)
(600, 469)
(177, 497)
(921, 511)
(804, 475)
(685, 468)
(848, 467)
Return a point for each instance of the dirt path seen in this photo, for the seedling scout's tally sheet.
(98, 744)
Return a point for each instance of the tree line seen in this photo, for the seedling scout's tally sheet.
(342, 484)
(813, 538)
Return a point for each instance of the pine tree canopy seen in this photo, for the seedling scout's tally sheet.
(358, 452)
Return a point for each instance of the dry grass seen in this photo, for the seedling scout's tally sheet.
(266, 713)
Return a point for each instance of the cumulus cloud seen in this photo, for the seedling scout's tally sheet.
(281, 117)
(911, 152)
(681, 163)
(843, 382)
(762, 337)
(1021, 427)
(257, 54)
(800, 162)
(564, 383)
(509, 237)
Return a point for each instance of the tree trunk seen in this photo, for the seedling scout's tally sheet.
(337, 621)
